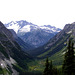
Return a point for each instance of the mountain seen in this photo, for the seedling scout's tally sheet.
(13, 60)
(24, 46)
(33, 34)
(55, 48)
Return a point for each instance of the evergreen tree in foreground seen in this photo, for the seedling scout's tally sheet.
(49, 69)
(69, 59)
(46, 70)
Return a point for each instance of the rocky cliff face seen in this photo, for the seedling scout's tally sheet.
(55, 44)
(37, 37)
(24, 46)
(11, 55)
(6, 32)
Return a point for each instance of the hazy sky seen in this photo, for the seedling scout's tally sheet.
(41, 12)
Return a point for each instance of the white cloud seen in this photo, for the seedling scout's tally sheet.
(40, 12)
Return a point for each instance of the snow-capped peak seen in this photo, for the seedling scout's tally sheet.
(14, 26)
(25, 29)
(24, 26)
(49, 28)
(19, 26)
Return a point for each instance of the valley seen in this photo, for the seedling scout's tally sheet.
(26, 48)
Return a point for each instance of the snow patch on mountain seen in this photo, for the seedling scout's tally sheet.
(25, 29)
(43, 27)
(50, 29)
(14, 26)
(69, 32)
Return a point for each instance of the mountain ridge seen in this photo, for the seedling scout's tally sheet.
(23, 45)
(33, 34)
(57, 43)
(20, 24)
(11, 54)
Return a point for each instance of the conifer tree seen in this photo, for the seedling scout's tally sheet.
(50, 68)
(54, 71)
(69, 59)
(46, 70)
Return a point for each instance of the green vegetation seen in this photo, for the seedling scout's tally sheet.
(59, 45)
(26, 72)
(4, 71)
(1, 70)
(68, 67)
(69, 61)
(46, 70)
(57, 62)
(58, 57)
(49, 68)
(18, 69)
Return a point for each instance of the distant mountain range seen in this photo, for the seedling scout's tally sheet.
(33, 34)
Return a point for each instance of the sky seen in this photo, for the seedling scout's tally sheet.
(40, 12)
